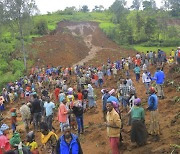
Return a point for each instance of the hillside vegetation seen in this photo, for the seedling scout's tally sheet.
(147, 29)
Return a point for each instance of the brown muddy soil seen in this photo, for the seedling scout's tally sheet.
(76, 43)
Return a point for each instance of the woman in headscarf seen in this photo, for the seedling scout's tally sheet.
(17, 145)
(138, 128)
(4, 141)
(91, 101)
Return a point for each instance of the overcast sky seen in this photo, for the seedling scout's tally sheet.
(54, 5)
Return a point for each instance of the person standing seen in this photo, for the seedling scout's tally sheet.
(63, 115)
(68, 143)
(13, 119)
(159, 77)
(153, 108)
(113, 125)
(56, 93)
(91, 101)
(36, 111)
(138, 128)
(78, 112)
(100, 78)
(4, 141)
(105, 96)
(146, 79)
(26, 115)
(137, 72)
(49, 112)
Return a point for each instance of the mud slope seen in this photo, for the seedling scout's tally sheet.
(76, 43)
(72, 43)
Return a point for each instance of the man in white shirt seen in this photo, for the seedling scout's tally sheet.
(146, 79)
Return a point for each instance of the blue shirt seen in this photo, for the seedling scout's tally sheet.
(153, 102)
(49, 108)
(72, 148)
(159, 76)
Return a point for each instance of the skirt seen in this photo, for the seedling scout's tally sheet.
(138, 132)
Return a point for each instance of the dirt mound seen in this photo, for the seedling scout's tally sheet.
(79, 41)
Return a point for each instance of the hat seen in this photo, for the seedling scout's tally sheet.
(111, 91)
(4, 127)
(137, 101)
(15, 140)
(152, 90)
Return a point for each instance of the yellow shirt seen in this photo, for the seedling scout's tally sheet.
(170, 61)
(113, 119)
(33, 145)
(172, 53)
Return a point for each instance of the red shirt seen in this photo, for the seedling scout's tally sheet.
(80, 96)
(95, 77)
(56, 92)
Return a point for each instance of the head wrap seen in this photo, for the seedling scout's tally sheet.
(15, 140)
(137, 101)
(152, 90)
(4, 127)
(89, 86)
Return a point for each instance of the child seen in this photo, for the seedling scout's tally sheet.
(13, 119)
(31, 143)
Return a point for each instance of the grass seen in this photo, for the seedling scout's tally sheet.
(144, 49)
(53, 19)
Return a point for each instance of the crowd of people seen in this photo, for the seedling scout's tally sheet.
(68, 92)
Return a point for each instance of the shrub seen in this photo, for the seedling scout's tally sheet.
(41, 27)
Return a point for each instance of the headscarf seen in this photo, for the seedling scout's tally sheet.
(137, 101)
(152, 90)
(89, 86)
(15, 141)
(4, 127)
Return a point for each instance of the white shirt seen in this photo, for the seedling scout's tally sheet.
(145, 78)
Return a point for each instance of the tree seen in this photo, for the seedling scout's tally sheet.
(41, 27)
(84, 8)
(119, 10)
(166, 4)
(99, 8)
(175, 7)
(149, 5)
(150, 27)
(70, 10)
(20, 12)
(136, 4)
